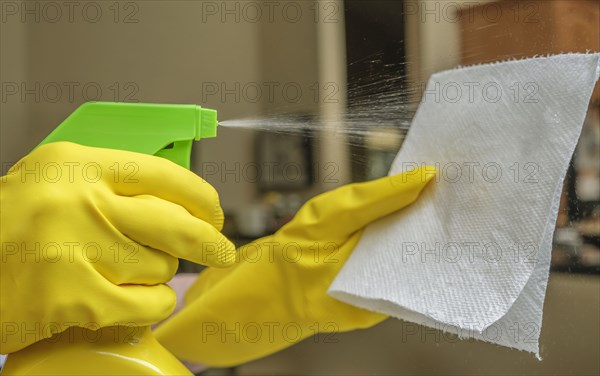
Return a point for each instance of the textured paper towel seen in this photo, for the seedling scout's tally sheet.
(472, 255)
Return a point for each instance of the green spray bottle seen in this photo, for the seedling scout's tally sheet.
(163, 130)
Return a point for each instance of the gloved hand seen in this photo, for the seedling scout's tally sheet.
(90, 237)
(276, 294)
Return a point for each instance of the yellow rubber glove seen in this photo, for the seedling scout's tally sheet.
(276, 294)
(90, 237)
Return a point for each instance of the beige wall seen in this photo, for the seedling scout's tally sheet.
(13, 113)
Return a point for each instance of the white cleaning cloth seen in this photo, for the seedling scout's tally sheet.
(472, 255)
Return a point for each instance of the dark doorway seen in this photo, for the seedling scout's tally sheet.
(376, 68)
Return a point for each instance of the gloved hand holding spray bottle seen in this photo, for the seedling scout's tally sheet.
(92, 230)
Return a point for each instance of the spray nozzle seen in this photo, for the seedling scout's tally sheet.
(207, 121)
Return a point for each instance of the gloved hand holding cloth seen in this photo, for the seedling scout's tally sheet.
(276, 293)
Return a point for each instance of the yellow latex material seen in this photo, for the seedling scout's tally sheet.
(276, 294)
(90, 236)
(108, 351)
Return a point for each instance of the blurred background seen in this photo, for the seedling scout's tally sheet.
(359, 66)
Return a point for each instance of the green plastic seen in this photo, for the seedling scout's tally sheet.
(164, 130)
